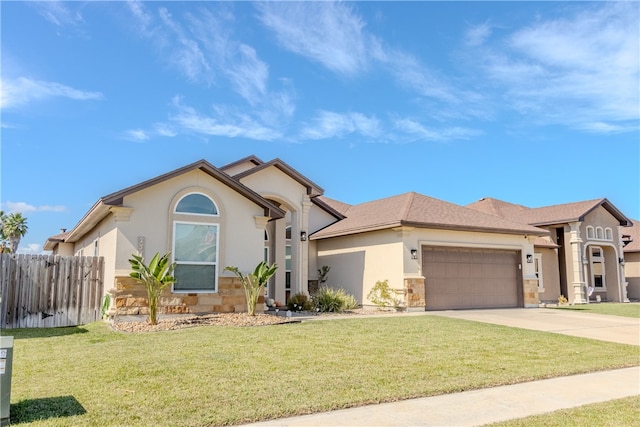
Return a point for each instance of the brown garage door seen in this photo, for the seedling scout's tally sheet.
(458, 278)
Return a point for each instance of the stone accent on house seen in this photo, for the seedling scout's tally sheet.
(530, 288)
(130, 298)
(414, 292)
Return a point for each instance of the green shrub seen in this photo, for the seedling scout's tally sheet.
(299, 302)
(329, 300)
(383, 296)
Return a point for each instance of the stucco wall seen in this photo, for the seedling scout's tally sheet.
(148, 214)
(632, 273)
(550, 275)
(358, 261)
(240, 240)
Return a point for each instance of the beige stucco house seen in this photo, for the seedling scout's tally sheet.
(437, 255)
(631, 239)
(582, 258)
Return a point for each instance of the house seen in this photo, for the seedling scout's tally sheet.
(582, 257)
(436, 254)
(631, 239)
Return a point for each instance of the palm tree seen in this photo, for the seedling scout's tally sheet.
(3, 238)
(155, 277)
(14, 227)
(254, 283)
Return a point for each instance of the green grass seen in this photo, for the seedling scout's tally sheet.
(612, 308)
(215, 375)
(615, 413)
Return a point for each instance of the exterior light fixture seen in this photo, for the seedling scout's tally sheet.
(621, 261)
(303, 236)
(529, 258)
(414, 254)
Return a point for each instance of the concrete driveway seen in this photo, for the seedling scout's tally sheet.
(625, 330)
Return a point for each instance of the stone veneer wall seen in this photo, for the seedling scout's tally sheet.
(130, 298)
(530, 289)
(414, 295)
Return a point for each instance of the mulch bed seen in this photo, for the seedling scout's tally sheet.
(222, 319)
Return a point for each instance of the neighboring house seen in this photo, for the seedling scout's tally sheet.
(582, 258)
(631, 238)
(437, 255)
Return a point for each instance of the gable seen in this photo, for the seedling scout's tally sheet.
(105, 205)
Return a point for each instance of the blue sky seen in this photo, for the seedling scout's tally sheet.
(535, 103)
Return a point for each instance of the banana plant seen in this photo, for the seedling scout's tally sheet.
(253, 283)
(155, 277)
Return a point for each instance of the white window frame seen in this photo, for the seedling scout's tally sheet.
(601, 260)
(214, 263)
(537, 266)
(599, 233)
(590, 232)
(608, 233)
(175, 208)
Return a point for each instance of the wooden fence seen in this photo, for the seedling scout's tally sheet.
(41, 291)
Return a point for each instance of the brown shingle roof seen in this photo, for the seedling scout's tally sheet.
(336, 205)
(417, 210)
(547, 215)
(634, 232)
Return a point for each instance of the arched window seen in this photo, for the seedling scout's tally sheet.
(599, 233)
(590, 232)
(195, 244)
(196, 204)
(608, 234)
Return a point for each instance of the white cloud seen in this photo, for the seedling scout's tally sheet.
(477, 34)
(185, 52)
(222, 122)
(328, 124)
(412, 130)
(13, 207)
(164, 129)
(21, 91)
(58, 13)
(334, 35)
(30, 248)
(326, 32)
(137, 135)
(582, 71)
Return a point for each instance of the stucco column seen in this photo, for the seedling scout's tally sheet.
(279, 257)
(578, 283)
(622, 283)
(529, 278)
(304, 246)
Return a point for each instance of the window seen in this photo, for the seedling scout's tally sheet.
(537, 265)
(287, 263)
(597, 268)
(197, 204)
(599, 234)
(589, 232)
(608, 234)
(195, 252)
(195, 244)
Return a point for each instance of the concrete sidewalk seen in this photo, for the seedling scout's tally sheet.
(478, 407)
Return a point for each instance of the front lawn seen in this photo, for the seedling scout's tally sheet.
(619, 412)
(215, 375)
(612, 308)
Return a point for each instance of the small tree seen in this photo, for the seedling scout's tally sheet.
(323, 273)
(254, 283)
(155, 277)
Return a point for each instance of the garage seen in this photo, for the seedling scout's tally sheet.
(459, 278)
